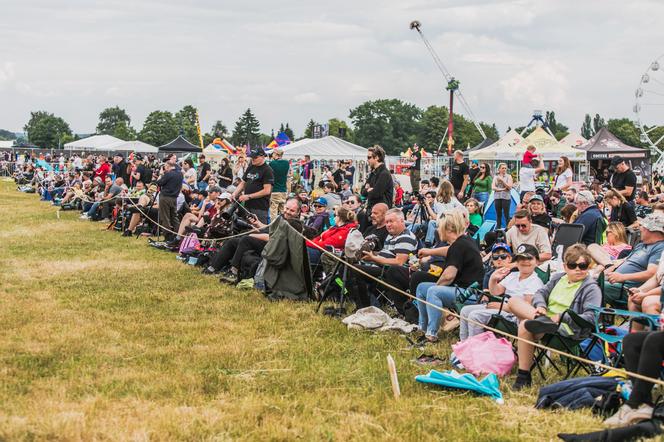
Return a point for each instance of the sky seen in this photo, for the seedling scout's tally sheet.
(291, 61)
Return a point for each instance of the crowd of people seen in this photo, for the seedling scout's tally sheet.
(423, 242)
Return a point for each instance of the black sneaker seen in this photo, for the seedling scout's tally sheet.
(541, 324)
(522, 381)
(229, 278)
(209, 271)
(127, 233)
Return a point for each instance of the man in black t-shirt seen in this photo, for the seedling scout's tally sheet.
(415, 168)
(624, 178)
(257, 185)
(204, 170)
(459, 174)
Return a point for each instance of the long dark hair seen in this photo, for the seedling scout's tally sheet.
(487, 171)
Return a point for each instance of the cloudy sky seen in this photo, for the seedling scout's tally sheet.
(296, 60)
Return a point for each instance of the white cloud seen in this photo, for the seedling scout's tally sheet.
(306, 98)
(542, 85)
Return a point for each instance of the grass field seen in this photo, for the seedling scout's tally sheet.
(106, 338)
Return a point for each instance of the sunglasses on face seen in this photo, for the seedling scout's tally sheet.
(580, 265)
(318, 206)
(521, 226)
(499, 257)
(369, 157)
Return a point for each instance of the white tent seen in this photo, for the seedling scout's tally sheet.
(130, 146)
(494, 151)
(95, 142)
(214, 153)
(6, 144)
(548, 147)
(326, 148)
(573, 139)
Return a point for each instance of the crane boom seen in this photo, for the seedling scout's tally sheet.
(448, 77)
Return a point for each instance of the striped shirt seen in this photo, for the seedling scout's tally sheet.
(405, 242)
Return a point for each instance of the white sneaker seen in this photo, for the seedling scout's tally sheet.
(85, 216)
(627, 415)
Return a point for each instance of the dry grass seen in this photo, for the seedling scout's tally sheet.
(105, 338)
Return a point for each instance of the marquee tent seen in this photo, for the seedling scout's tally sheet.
(491, 152)
(180, 144)
(214, 152)
(548, 147)
(131, 146)
(603, 145)
(326, 148)
(95, 142)
(573, 140)
(485, 143)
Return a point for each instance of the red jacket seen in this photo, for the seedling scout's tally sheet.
(103, 170)
(334, 236)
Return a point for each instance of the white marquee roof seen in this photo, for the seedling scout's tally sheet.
(326, 148)
(97, 142)
(130, 146)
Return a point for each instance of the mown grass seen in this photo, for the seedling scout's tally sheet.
(106, 338)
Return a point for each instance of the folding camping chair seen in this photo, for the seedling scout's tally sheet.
(486, 227)
(566, 235)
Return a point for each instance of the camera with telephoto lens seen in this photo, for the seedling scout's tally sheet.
(370, 244)
(419, 196)
(241, 219)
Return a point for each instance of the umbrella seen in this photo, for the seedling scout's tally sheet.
(488, 385)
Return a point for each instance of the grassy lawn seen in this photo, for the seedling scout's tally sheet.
(104, 337)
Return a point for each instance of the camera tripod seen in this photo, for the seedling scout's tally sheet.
(338, 310)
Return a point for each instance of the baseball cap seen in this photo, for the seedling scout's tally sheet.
(526, 251)
(653, 222)
(138, 156)
(322, 201)
(256, 152)
(226, 196)
(536, 198)
(617, 160)
(501, 245)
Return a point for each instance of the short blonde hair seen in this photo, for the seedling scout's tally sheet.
(453, 222)
(618, 229)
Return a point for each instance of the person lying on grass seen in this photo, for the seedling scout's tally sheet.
(574, 289)
(504, 282)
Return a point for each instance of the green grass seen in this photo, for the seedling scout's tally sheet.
(105, 338)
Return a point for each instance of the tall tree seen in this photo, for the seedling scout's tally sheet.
(289, 132)
(587, 129)
(432, 127)
(598, 123)
(46, 130)
(309, 131)
(246, 130)
(186, 122)
(340, 129)
(113, 120)
(159, 128)
(219, 130)
(559, 130)
(626, 131)
(391, 123)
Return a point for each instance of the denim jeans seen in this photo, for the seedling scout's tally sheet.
(482, 197)
(438, 295)
(93, 209)
(431, 232)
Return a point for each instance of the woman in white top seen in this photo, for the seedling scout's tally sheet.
(564, 175)
(240, 167)
(189, 173)
(502, 198)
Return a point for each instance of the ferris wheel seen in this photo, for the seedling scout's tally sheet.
(649, 109)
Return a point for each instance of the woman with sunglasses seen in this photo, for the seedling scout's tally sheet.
(574, 289)
(482, 184)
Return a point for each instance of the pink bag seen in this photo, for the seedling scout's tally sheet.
(189, 243)
(484, 353)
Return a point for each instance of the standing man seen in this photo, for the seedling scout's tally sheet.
(379, 187)
(256, 186)
(527, 176)
(280, 169)
(415, 168)
(624, 178)
(459, 174)
(307, 172)
(350, 172)
(204, 171)
(119, 168)
(170, 184)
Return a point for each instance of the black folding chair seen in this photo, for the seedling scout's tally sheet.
(567, 235)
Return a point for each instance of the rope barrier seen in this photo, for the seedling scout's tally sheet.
(486, 327)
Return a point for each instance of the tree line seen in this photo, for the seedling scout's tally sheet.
(391, 123)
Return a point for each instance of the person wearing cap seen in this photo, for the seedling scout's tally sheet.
(208, 209)
(527, 175)
(280, 169)
(589, 216)
(538, 211)
(574, 289)
(624, 178)
(170, 185)
(525, 232)
(500, 256)
(256, 186)
(640, 265)
(346, 191)
(503, 282)
(320, 219)
(332, 197)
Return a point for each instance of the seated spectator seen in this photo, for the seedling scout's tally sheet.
(570, 195)
(643, 353)
(202, 217)
(377, 226)
(556, 204)
(106, 200)
(589, 216)
(334, 236)
(346, 191)
(640, 265)
(474, 213)
(232, 250)
(525, 232)
(333, 199)
(568, 213)
(463, 268)
(572, 289)
(621, 210)
(616, 244)
(538, 212)
(423, 212)
(643, 206)
(499, 257)
(503, 282)
(319, 221)
(146, 203)
(399, 244)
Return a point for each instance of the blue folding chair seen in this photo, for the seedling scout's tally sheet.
(486, 227)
